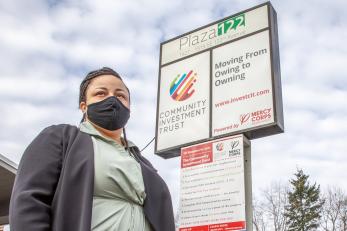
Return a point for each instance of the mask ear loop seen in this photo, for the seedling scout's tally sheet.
(83, 117)
(125, 140)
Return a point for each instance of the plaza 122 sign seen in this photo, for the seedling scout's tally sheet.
(220, 80)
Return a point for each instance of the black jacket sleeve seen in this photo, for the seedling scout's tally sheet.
(35, 183)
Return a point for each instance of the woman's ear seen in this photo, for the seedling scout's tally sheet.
(83, 107)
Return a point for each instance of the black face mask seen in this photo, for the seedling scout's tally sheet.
(109, 113)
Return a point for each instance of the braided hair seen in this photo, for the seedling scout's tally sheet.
(91, 75)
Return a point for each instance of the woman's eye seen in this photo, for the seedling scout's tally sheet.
(100, 93)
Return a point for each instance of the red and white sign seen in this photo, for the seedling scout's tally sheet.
(212, 192)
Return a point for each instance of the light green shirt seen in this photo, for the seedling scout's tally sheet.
(119, 191)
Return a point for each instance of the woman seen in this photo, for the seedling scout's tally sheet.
(90, 178)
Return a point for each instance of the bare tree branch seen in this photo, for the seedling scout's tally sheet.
(259, 220)
(275, 201)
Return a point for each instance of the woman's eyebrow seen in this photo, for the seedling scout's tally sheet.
(120, 89)
(106, 89)
(102, 88)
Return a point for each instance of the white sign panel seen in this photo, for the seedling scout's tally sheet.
(212, 190)
(242, 85)
(220, 80)
(229, 29)
(184, 102)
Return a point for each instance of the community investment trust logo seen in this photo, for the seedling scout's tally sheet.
(181, 86)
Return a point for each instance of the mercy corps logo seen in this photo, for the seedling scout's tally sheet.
(234, 144)
(234, 148)
(181, 86)
(256, 116)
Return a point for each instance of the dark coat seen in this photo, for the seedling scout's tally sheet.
(54, 185)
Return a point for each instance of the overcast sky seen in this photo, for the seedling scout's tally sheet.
(47, 47)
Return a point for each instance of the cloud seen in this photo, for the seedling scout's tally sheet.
(329, 101)
(47, 47)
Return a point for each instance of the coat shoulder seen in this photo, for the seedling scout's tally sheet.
(59, 130)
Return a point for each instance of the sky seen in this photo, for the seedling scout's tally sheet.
(47, 47)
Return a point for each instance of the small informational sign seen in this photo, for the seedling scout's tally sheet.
(213, 186)
(219, 80)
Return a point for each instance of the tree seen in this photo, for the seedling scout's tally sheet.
(259, 220)
(343, 215)
(334, 213)
(268, 213)
(304, 209)
(276, 198)
(333, 199)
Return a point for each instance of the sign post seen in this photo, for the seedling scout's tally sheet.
(219, 84)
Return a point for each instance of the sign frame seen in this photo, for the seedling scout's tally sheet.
(277, 126)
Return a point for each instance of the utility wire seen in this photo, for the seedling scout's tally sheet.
(147, 144)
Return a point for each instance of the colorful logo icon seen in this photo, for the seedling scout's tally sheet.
(180, 87)
(220, 146)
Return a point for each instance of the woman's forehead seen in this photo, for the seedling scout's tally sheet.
(110, 82)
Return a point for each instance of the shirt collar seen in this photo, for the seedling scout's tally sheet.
(88, 128)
